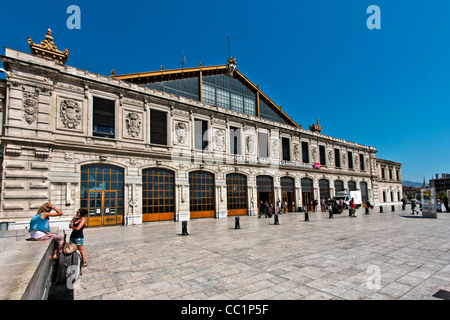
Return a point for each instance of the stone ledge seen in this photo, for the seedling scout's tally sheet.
(25, 267)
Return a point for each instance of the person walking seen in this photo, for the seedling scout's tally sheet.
(40, 228)
(77, 236)
(367, 206)
(413, 206)
(262, 209)
(353, 208)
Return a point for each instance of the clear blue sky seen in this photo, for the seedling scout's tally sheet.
(388, 88)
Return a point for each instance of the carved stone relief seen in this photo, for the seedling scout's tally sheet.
(330, 157)
(218, 140)
(250, 144)
(181, 132)
(70, 113)
(297, 152)
(275, 148)
(133, 124)
(30, 105)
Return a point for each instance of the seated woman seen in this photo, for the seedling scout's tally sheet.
(77, 224)
(40, 229)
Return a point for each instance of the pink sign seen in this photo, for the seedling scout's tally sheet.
(316, 165)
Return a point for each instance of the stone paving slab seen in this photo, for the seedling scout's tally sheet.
(315, 260)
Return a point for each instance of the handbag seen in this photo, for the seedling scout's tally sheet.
(69, 248)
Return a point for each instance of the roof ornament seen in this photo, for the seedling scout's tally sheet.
(48, 49)
(316, 127)
(231, 65)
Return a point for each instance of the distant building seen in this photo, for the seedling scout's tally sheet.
(164, 145)
(442, 183)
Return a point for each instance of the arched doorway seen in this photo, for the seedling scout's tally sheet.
(236, 194)
(158, 195)
(102, 194)
(307, 193)
(364, 192)
(264, 186)
(338, 186)
(288, 192)
(351, 185)
(324, 187)
(201, 194)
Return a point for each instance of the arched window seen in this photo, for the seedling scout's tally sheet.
(201, 194)
(102, 194)
(351, 185)
(288, 192)
(338, 186)
(236, 194)
(364, 193)
(324, 186)
(158, 194)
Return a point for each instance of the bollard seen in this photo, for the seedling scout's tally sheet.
(184, 229)
(276, 219)
(306, 215)
(381, 209)
(236, 223)
(331, 214)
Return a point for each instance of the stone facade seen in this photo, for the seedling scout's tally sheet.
(47, 139)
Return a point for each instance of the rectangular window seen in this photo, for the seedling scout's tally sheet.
(361, 162)
(350, 159)
(103, 116)
(390, 174)
(208, 94)
(322, 156)
(237, 102)
(337, 158)
(158, 127)
(249, 106)
(201, 134)
(383, 175)
(223, 98)
(397, 173)
(305, 152)
(235, 140)
(286, 148)
(263, 145)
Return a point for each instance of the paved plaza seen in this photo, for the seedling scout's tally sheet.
(391, 255)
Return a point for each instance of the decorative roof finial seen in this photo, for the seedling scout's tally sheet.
(231, 65)
(48, 49)
(316, 127)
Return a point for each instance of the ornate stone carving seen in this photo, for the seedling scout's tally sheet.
(297, 152)
(316, 127)
(218, 140)
(314, 154)
(231, 65)
(70, 113)
(250, 144)
(275, 148)
(330, 157)
(181, 132)
(133, 124)
(30, 105)
(48, 49)
(344, 160)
